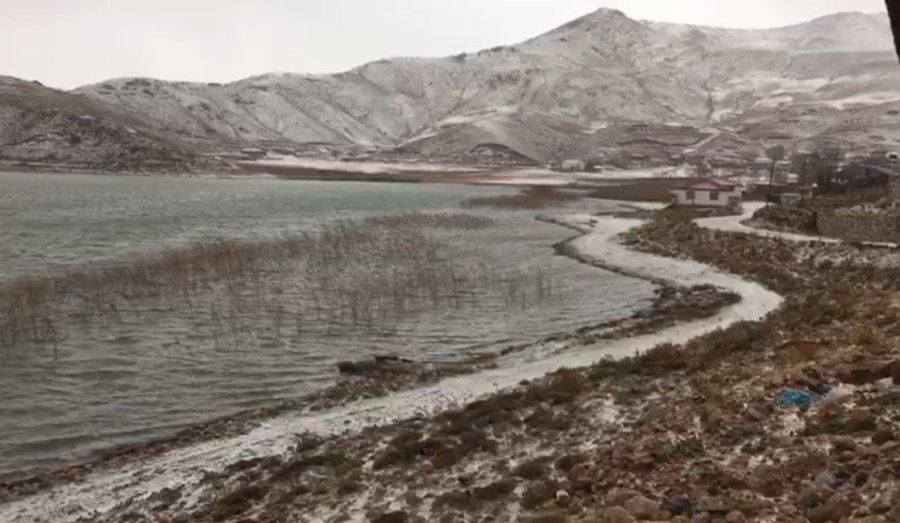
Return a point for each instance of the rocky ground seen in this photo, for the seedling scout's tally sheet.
(681, 433)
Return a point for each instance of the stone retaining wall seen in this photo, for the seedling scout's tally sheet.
(860, 225)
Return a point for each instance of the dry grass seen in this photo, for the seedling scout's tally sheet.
(532, 198)
(348, 275)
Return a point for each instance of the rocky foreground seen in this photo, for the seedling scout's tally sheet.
(790, 419)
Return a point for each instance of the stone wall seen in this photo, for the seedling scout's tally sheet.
(859, 224)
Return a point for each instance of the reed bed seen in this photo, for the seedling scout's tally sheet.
(538, 197)
(350, 275)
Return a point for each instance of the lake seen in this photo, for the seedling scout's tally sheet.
(160, 366)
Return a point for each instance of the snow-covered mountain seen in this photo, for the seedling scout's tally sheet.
(603, 84)
(38, 124)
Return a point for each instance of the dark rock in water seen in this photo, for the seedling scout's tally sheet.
(357, 367)
(385, 363)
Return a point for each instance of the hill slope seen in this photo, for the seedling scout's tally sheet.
(43, 125)
(602, 85)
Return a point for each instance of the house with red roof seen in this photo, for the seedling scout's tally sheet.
(709, 193)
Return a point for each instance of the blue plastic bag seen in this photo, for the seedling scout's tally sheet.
(795, 397)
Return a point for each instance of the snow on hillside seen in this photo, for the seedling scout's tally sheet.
(603, 84)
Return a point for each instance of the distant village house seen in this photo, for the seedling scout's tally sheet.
(498, 154)
(711, 193)
(573, 166)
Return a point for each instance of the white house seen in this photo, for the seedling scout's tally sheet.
(571, 166)
(709, 193)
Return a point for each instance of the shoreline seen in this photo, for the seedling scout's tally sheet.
(402, 375)
(414, 403)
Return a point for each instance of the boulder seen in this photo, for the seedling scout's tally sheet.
(835, 509)
(642, 507)
(616, 515)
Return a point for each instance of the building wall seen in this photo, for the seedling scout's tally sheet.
(701, 198)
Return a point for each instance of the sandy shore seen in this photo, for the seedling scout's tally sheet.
(101, 493)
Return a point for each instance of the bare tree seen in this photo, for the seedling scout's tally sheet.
(893, 8)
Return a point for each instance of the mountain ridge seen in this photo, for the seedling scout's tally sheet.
(595, 86)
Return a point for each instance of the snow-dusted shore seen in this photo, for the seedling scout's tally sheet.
(446, 172)
(735, 223)
(102, 491)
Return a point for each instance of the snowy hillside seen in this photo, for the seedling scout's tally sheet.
(603, 84)
(47, 126)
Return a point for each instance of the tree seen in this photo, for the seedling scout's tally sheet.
(775, 153)
(823, 166)
(893, 8)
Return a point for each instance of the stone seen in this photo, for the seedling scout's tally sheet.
(883, 435)
(703, 517)
(843, 444)
(735, 516)
(836, 508)
(860, 420)
(392, 517)
(548, 517)
(826, 479)
(889, 447)
(813, 496)
(882, 504)
(895, 372)
(642, 507)
(616, 515)
(679, 505)
(755, 414)
(618, 496)
(680, 519)
(715, 505)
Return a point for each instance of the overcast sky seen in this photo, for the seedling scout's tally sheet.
(67, 43)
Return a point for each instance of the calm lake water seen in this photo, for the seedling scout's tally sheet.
(149, 373)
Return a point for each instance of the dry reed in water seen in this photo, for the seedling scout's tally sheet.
(347, 275)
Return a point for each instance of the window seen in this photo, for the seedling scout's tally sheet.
(713, 196)
(689, 195)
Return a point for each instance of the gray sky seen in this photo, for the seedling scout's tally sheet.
(67, 43)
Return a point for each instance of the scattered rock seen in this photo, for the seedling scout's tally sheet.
(735, 517)
(836, 508)
(679, 505)
(843, 444)
(715, 505)
(883, 435)
(826, 479)
(392, 517)
(618, 496)
(882, 504)
(642, 507)
(616, 515)
(549, 517)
